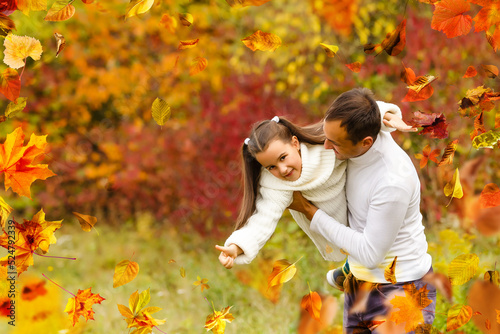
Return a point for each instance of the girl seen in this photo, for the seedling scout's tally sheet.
(278, 159)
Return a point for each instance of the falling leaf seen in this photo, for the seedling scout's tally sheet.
(16, 161)
(31, 5)
(478, 127)
(216, 322)
(487, 221)
(449, 153)
(494, 40)
(125, 271)
(169, 22)
(86, 222)
(183, 272)
(454, 188)
(186, 19)
(487, 16)
(171, 261)
(433, 124)
(390, 272)
(484, 297)
(187, 44)
(458, 316)
(5, 210)
(463, 268)
(6, 24)
(245, 3)
(136, 7)
(61, 10)
(421, 82)
(493, 277)
(355, 67)
(198, 65)
(410, 306)
(61, 42)
(490, 196)
(160, 111)
(32, 235)
(18, 48)
(15, 106)
(427, 155)
(486, 140)
(10, 84)
(202, 283)
(331, 50)
(490, 70)
(441, 282)
(471, 72)
(138, 315)
(450, 19)
(312, 304)
(33, 290)
(408, 76)
(473, 97)
(395, 41)
(283, 271)
(262, 41)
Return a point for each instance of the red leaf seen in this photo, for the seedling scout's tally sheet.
(449, 18)
(471, 72)
(10, 84)
(433, 124)
(355, 67)
(488, 15)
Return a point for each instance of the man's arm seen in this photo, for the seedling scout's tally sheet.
(301, 204)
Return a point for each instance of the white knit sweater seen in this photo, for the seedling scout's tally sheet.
(322, 181)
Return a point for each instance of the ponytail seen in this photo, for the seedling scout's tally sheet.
(261, 135)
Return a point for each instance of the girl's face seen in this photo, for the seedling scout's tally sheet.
(283, 160)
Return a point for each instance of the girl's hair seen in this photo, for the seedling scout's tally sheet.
(262, 134)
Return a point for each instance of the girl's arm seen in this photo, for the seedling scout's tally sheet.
(392, 118)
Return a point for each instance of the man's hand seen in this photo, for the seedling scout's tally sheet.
(301, 204)
(392, 121)
(228, 254)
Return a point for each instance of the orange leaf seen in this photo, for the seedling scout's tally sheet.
(81, 305)
(488, 16)
(61, 10)
(421, 82)
(494, 40)
(423, 93)
(187, 44)
(395, 41)
(202, 283)
(458, 316)
(16, 161)
(484, 297)
(199, 64)
(61, 43)
(490, 196)
(169, 22)
(410, 307)
(339, 14)
(390, 272)
(355, 67)
(125, 271)
(31, 235)
(283, 271)
(262, 41)
(478, 126)
(245, 3)
(427, 155)
(449, 18)
(471, 72)
(31, 5)
(10, 84)
(449, 152)
(312, 304)
(33, 290)
(441, 282)
(86, 221)
(490, 70)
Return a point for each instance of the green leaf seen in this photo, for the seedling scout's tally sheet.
(486, 140)
(14, 107)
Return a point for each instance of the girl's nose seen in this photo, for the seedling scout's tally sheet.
(283, 169)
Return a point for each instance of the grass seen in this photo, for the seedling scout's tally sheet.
(184, 306)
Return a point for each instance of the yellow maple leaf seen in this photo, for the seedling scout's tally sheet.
(81, 305)
(137, 315)
(410, 307)
(18, 48)
(216, 322)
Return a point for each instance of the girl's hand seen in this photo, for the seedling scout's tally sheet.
(228, 254)
(398, 124)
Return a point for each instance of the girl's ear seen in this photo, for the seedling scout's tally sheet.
(295, 142)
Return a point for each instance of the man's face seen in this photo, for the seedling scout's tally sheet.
(337, 140)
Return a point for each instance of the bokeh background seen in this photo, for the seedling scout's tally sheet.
(171, 192)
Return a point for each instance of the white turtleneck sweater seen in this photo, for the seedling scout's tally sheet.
(322, 182)
(383, 198)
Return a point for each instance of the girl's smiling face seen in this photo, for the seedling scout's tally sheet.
(283, 160)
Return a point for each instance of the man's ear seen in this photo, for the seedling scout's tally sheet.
(367, 142)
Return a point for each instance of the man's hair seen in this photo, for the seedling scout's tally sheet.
(358, 112)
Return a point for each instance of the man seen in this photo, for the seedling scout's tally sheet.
(383, 199)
